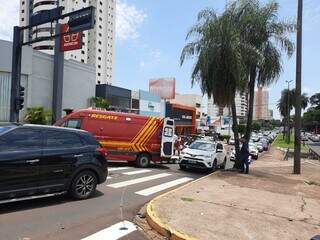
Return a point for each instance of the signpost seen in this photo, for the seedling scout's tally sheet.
(78, 21)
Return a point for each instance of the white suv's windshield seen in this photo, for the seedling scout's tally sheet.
(205, 146)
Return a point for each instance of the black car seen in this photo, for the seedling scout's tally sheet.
(40, 161)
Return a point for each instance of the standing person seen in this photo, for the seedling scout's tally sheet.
(244, 156)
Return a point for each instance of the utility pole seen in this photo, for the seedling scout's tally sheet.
(297, 128)
(288, 111)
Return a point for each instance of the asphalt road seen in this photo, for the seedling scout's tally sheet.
(63, 218)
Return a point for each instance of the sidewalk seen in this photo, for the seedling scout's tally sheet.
(269, 203)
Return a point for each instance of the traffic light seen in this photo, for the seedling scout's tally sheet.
(20, 99)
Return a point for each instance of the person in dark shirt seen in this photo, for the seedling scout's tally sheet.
(244, 156)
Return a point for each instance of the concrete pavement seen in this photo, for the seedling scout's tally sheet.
(63, 218)
(269, 203)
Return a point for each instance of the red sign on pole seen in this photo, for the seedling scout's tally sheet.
(70, 41)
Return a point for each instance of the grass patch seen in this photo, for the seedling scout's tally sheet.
(187, 199)
(280, 142)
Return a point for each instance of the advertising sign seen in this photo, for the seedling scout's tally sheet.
(163, 87)
(70, 41)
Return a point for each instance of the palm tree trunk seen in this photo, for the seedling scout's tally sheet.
(252, 84)
(236, 134)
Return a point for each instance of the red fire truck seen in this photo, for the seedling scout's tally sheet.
(126, 136)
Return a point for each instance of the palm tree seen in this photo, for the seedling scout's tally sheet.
(285, 107)
(260, 27)
(219, 68)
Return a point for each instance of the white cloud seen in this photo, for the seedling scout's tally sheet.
(128, 21)
(142, 64)
(155, 54)
(9, 17)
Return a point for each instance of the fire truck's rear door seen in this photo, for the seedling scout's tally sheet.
(167, 140)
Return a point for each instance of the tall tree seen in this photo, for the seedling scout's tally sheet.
(219, 67)
(261, 28)
(286, 107)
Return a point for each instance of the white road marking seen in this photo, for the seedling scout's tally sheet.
(138, 180)
(137, 172)
(112, 169)
(114, 232)
(161, 187)
(108, 177)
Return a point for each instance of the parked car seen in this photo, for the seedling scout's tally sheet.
(315, 138)
(259, 146)
(41, 161)
(233, 156)
(203, 154)
(265, 144)
(254, 153)
(231, 141)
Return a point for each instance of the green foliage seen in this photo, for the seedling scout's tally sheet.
(242, 129)
(100, 102)
(256, 126)
(224, 137)
(315, 101)
(37, 115)
(280, 142)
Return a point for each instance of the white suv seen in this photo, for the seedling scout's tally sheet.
(203, 154)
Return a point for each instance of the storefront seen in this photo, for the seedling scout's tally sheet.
(119, 98)
(184, 117)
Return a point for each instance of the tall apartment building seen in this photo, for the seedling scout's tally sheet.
(241, 107)
(261, 104)
(98, 43)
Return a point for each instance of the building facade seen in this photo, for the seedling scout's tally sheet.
(120, 99)
(37, 78)
(261, 104)
(184, 118)
(191, 100)
(241, 107)
(98, 43)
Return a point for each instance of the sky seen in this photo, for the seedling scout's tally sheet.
(151, 35)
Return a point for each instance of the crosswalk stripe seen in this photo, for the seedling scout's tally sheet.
(137, 172)
(112, 169)
(114, 232)
(161, 187)
(138, 180)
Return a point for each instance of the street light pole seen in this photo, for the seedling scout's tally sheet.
(297, 128)
(288, 111)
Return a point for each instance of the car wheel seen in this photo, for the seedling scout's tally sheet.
(83, 185)
(182, 167)
(223, 165)
(214, 166)
(143, 160)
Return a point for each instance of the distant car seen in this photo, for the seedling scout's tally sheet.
(41, 161)
(204, 155)
(304, 137)
(231, 141)
(259, 146)
(265, 144)
(315, 138)
(254, 153)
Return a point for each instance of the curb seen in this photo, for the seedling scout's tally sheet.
(164, 229)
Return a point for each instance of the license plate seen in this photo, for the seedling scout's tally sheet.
(192, 162)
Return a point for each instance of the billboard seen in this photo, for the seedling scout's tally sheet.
(70, 41)
(163, 87)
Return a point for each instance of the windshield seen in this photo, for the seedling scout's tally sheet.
(204, 146)
(4, 129)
